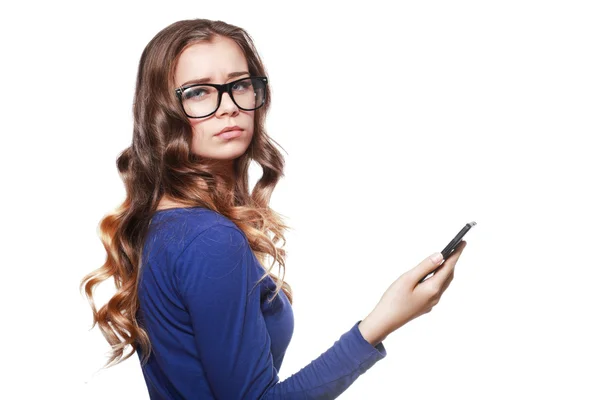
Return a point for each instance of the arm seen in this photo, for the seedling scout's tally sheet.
(216, 273)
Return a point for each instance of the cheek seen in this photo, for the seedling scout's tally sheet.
(199, 138)
(251, 123)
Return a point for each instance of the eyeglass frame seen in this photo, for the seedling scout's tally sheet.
(223, 88)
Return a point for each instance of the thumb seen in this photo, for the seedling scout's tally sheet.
(426, 266)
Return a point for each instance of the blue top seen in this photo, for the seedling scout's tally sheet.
(215, 337)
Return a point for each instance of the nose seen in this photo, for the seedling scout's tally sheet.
(227, 105)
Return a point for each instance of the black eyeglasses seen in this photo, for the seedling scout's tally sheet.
(203, 99)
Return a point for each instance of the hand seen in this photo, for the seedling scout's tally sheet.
(407, 299)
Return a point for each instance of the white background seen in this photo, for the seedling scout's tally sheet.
(401, 122)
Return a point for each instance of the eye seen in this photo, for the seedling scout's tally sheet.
(195, 93)
(242, 86)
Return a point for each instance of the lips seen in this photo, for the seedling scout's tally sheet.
(229, 128)
(229, 134)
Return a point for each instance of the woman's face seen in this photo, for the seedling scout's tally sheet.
(217, 61)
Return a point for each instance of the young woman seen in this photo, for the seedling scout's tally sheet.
(187, 249)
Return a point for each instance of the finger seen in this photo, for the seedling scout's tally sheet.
(447, 282)
(423, 269)
(442, 269)
(458, 250)
(455, 255)
(447, 267)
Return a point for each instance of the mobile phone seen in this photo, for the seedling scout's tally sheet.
(449, 249)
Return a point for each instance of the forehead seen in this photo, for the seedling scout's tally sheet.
(214, 60)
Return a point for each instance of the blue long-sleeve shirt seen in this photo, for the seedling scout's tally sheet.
(215, 336)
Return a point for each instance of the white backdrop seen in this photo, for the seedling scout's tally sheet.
(401, 124)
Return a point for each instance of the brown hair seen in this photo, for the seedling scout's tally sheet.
(160, 163)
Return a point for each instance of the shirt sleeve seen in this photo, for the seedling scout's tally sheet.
(216, 274)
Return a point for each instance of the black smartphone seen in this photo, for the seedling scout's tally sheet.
(449, 249)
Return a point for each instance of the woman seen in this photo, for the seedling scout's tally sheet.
(187, 249)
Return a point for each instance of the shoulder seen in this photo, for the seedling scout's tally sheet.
(185, 224)
(209, 243)
(216, 240)
(194, 217)
(219, 257)
(189, 230)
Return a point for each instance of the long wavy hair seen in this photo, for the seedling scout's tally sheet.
(160, 163)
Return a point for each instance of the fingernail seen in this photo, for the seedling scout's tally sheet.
(436, 257)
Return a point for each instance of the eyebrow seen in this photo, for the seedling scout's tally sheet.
(205, 80)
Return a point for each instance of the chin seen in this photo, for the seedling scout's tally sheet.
(230, 153)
